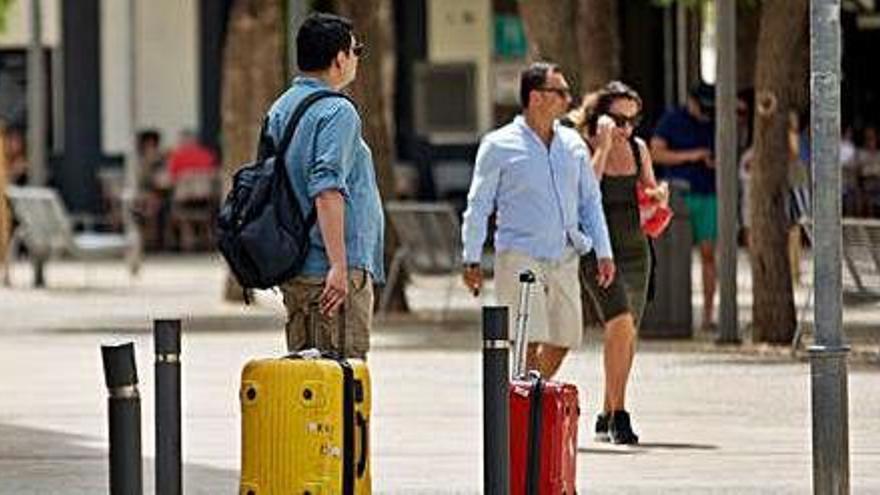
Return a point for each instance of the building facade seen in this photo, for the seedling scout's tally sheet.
(117, 66)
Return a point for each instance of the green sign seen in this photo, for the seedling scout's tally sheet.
(510, 37)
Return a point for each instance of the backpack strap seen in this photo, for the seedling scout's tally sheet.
(267, 146)
(267, 149)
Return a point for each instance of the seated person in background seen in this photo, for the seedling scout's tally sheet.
(868, 164)
(151, 160)
(868, 155)
(154, 200)
(15, 151)
(190, 156)
(849, 173)
(192, 171)
(847, 148)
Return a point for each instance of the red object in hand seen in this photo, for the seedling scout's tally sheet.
(653, 215)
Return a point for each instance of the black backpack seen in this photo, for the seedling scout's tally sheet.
(261, 230)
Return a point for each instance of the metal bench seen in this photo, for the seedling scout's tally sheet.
(429, 244)
(45, 228)
(861, 256)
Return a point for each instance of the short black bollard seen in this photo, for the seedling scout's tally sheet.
(39, 273)
(124, 412)
(166, 338)
(496, 410)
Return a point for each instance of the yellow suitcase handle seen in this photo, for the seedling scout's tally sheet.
(364, 428)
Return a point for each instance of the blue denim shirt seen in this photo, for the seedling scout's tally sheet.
(328, 153)
(547, 199)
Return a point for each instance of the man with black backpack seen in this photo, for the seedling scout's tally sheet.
(330, 169)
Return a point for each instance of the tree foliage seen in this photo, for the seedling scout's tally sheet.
(4, 10)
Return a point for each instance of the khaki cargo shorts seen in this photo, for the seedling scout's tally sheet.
(307, 327)
(555, 301)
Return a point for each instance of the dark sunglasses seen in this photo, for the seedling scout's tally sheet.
(358, 50)
(561, 92)
(623, 120)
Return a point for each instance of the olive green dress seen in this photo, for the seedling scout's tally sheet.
(632, 255)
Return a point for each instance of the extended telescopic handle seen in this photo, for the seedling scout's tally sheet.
(521, 337)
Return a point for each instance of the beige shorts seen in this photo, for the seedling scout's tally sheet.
(555, 303)
(307, 327)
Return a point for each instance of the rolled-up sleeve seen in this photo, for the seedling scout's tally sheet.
(336, 140)
(590, 213)
(481, 202)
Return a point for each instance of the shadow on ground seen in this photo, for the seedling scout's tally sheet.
(35, 461)
(199, 324)
(610, 449)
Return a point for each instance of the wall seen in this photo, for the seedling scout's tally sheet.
(165, 69)
(18, 32)
(116, 129)
(461, 31)
(167, 66)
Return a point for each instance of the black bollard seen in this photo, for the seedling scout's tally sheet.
(124, 412)
(166, 338)
(496, 411)
(39, 273)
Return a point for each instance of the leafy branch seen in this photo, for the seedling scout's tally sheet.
(4, 9)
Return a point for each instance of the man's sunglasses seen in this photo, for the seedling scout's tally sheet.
(623, 120)
(561, 92)
(358, 50)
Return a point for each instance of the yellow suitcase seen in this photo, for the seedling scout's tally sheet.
(305, 426)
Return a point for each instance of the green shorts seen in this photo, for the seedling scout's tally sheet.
(703, 209)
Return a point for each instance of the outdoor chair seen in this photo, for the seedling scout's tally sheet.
(112, 186)
(194, 204)
(861, 257)
(429, 244)
(46, 230)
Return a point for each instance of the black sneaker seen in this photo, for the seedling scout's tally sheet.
(620, 429)
(602, 428)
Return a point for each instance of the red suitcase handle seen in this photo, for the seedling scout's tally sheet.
(521, 338)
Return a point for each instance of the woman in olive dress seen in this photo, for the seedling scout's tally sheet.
(621, 163)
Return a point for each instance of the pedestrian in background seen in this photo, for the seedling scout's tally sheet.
(683, 148)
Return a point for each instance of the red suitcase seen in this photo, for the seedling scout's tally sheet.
(542, 464)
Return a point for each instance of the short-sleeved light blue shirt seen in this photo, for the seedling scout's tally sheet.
(328, 152)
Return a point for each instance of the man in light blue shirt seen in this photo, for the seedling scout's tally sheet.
(330, 168)
(535, 174)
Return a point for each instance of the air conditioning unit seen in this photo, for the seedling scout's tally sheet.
(445, 102)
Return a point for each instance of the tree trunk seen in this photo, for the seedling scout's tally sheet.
(597, 28)
(551, 35)
(253, 76)
(582, 36)
(694, 39)
(748, 23)
(373, 90)
(781, 45)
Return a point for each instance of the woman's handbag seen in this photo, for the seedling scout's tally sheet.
(654, 216)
